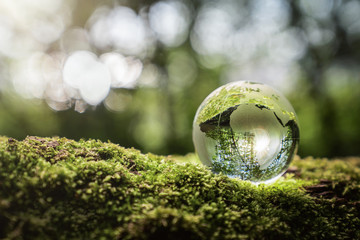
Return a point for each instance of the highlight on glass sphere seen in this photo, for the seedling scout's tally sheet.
(246, 130)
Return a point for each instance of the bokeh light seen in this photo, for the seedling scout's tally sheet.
(137, 70)
(170, 22)
(120, 28)
(83, 72)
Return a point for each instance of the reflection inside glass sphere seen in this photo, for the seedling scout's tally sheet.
(246, 130)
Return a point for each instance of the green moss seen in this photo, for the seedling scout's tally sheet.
(230, 96)
(225, 99)
(54, 188)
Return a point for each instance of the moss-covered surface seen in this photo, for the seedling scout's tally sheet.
(53, 188)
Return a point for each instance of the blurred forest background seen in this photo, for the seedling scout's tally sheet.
(134, 72)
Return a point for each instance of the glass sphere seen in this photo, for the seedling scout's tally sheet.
(246, 130)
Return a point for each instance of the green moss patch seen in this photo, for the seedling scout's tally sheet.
(55, 188)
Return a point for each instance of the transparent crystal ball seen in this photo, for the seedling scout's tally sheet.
(246, 130)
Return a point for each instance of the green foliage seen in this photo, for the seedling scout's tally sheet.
(226, 98)
(55, 188)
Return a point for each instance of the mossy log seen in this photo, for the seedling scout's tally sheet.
(55, 188)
